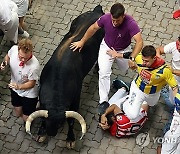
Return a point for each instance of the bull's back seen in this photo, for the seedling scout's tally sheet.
(61, 78)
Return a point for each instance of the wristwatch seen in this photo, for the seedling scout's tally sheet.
(132, 58)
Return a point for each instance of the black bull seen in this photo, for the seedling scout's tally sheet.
(61, 78)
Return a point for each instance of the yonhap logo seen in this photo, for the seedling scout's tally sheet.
(143, 139)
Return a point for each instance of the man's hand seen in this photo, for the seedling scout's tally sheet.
(75, 45)
(14, 85)
(3, 65)
(113, 53)
(104, 126)
(132, 65)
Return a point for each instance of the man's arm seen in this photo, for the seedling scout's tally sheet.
(138, 46)
(175, 90)
(89, 33)
(159, 51)
(28, 85)
(113, 108)
(176, 72)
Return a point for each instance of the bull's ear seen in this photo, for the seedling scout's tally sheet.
(98, 8)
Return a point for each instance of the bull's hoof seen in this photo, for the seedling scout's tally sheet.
(41, 139)
(70, 144)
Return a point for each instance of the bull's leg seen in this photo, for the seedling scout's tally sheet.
(74, 107)
(42, 132)
(70, 136)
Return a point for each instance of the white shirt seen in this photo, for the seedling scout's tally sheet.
(20, 75)
(6, 7)
(5, 12)
(171, 48)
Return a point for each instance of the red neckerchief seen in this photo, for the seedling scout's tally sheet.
(22, 63)
(177, 44)
(157, 63)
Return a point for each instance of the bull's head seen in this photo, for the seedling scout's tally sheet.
(44, 113)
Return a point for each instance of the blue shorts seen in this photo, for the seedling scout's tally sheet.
(28, 104)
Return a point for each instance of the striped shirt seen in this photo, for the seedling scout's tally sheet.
(151, 81)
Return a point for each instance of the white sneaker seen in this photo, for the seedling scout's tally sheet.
(25, 34)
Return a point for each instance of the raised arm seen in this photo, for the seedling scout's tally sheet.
(159, 51)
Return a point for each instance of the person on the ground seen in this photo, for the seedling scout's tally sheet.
(153, 75)
(9, 21)
(119, 28)
(24, 78)
(116, 121)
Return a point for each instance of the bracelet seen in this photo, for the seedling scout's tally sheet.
(132, 58)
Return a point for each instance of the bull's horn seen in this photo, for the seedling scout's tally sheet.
(34, 115)
(81, 120)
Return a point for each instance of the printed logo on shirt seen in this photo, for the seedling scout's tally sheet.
(119, 35)
(157, 77)
(119, 118)
(24, 78)
(145, 76)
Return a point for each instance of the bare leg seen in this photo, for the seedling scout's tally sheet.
(21, 28)
(18, 111)
(159, 150)
(24, 117)
(21, 23)
(145, 107)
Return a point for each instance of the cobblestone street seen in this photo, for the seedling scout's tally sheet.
(47, 22)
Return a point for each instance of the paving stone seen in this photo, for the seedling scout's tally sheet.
(110, 150)
(51, 145)
(93, 150)
(151, 151)
(57, 150)
(120, 150)
(12, 146)
(91, 143)
(137, 150)
(5, 151)
(104, 143)
(15, 129)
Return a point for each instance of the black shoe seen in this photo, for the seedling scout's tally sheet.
(102, 107)
(117, 84)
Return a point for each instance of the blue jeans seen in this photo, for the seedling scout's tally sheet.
(165, 96)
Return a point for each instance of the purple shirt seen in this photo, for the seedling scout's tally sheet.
(118, 37)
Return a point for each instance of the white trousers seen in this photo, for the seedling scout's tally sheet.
(11, 28)
(120, 97)
(136, 98)
(171, 139)
(105, 63)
